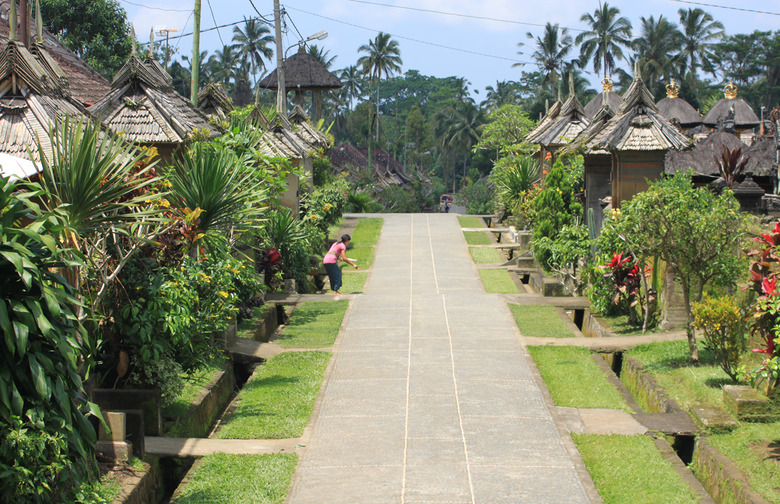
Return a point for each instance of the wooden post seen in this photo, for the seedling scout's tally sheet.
(194, 86)
(281, 91)
(24, 23)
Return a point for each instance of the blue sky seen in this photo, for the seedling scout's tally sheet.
(436, 44)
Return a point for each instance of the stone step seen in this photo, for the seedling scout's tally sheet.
(668, 423)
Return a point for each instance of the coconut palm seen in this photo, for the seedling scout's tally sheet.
(504, 93)
(699, 34)
(656, 48)
(602, 43)
(352, 84)
(551, 51)
(458, 129)
(383, 58)
(322, 56)
(253, 43)
(223, 63)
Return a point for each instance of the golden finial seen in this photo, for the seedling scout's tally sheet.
(731, 91)
(606, 84)
(672, 90)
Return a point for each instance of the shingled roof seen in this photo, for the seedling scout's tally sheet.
(638, 126)
(570, 122)
(302, 71)
(83, 83)
(387, 170)
(144, 107)
(535, 134)
(613, 99)
(760, 156)
(33, 97)
(676, 109)
(597, 123)
(744, 117)
(213, 100)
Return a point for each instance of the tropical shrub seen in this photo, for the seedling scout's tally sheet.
(293, 240)
(624, 274)
(46, 441)
(722, 323)
(477, 197)
(566, 253)
(514, 178)
(555, 207)
(321, 168)
(324, 206)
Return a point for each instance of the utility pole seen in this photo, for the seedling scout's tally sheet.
(281, 91)
(194, 87)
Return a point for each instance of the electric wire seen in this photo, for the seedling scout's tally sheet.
(262, 17)
(154, 8)
(226, 25)
(456, 14)
(720, 7)
(434, 44)
(214, 18)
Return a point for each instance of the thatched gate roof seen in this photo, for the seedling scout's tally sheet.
(303, 72)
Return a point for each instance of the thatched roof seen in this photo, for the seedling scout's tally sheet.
(387, 170)
(32, 99)
(293, 137)
(638, 126)
(83, 83)
(570, 122)
(594, 105)
(535, 134)
(306, 131)
(597, 123)
(702, 158)
(144, 107)
(677, 110)
(303, 72)
(744, 117)
(214, 100)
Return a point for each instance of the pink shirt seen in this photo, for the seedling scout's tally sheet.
(333, 254)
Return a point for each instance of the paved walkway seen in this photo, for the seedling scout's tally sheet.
(430, 398)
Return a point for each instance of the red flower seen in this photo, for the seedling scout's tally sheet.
(618, 261)
(776, 230)
(768, 286)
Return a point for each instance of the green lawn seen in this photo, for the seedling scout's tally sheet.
(314, 324)
(240, 479)
(619, 325)
(477, 238)
(631, 470)
(278, 399)
(498, 281)
(367, 232)
(574, 379)
(685, 384)
(741, 447)
(485, 255)
(471, 222)
(353, 282)
(248, 327)
(193, 386)
(363, 256)
(540, 321)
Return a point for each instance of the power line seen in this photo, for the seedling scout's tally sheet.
(456, 14)
(412, 39)
(186, 23)
(214, 18)
(262, 17)
(155, 8)
(226, 25)
(719, 7)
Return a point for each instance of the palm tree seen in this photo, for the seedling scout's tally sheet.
(352, 84)
(458, 129)
(383, 57)
(323, 56)
(253, 43)
(551, 51)
(603, 41)
(504, 93)
(223, 63)
(699, 32)
(656, 47)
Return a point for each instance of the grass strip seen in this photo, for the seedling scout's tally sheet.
(485, 255)
(630, 469)
(471, 222)
(753, 447)
(367, 232)
(313, 324)
(362, 256)
(278, 399)
(248, 327)
(668, 363)
(574, 379)
(540, 321)
(498, 281)
(477, 238)
(240, 479)
(193, 386)
(619, 325)
(352, 283)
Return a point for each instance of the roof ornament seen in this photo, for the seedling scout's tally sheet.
(606, 84)
(132, 37)
(12, 20)
(559, 92)
(546, 106)
(571, 84)
(730, 91)
(637, 71)
(672, 90)
(38, 22)
(151, 43)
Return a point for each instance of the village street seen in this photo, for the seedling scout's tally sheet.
(430, 397)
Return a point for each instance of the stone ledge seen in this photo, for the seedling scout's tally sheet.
(205, 409)
(722, 479)
(712, 418)
(749, 405)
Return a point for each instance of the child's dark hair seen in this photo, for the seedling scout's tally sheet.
(345, 238)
